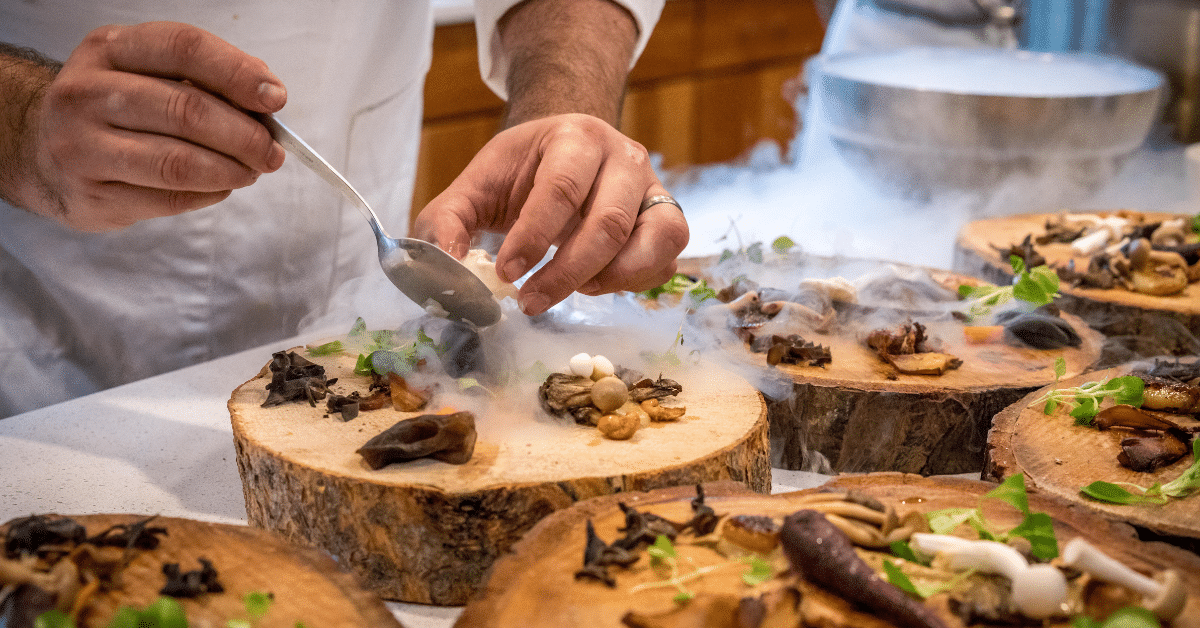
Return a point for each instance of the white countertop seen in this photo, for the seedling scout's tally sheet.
(164, 446)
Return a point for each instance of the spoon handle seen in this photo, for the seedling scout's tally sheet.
(309, 157)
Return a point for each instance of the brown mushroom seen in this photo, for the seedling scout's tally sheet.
(660, 413)
(618, 426)
(446, 437)
(1159, 273)
(609, 393)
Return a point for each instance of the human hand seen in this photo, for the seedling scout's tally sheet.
(569, 180)
(148, 120)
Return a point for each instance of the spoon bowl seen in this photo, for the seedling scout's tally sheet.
(429, 276)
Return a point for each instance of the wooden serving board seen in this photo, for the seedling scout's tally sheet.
(307, 585)
(1059, 457)
(852, 417)
(534, 586)
(427, 531)
(1116, 312)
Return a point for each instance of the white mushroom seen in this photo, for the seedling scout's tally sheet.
(601, 367)
(1038, 591)
(581, 365)
(1165, 596)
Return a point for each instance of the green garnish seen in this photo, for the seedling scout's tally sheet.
(165, 612)
(901, 580)
(1186, 484)
(697, 290)
(783, 244)
(1128, 617)
(1037, 286)
(1083, 402)
(328, 348)
(1036, 527)
(663, 556)
(760, 571)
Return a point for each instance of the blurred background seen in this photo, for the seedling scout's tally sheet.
(740, 104)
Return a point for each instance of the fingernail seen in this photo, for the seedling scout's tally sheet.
(272, 96)
(513, 270)
(590, 287)
(275, 158)
(534, 303)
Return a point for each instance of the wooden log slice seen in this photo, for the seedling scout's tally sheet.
(858, 415)
(1115, 312)
(308, 587)
(534, 586)
(427, 531)
(1059, 458)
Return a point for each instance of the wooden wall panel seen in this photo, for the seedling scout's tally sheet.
(709, 86)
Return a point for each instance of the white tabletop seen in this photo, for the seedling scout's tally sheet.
(164, 446)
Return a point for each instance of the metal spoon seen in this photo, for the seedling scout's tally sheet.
(422, 271)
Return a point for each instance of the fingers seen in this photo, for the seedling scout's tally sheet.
(182, 52)
(158, 111)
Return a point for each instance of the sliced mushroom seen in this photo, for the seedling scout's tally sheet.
(660, 413)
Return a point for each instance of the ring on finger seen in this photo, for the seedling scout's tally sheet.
(657, 199)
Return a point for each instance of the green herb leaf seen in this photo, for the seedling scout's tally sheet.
(947, 520)
(1113, 494)
(683, 596)
(900, 579)
(1131, 617)
(1012, 492)
(1060, 368)
(760, 571)
(662, 548)
(53, 618)
(754, 253)
(901, 549)
(358, 328)
(782, 244)
(165, 612)
(1038, 529)
(1189, 481)
(1083, 402)
(328, 348)
(257, 604)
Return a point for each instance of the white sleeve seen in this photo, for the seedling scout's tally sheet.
(493, 62)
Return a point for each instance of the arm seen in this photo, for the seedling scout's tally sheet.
(141, 121)
(566, 57)
(560, 173)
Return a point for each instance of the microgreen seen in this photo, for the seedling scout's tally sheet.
(1083, 402)
(1196, 223)
(328, 348)
(164, 612)
(697, 290)
(663, 555)
(782, 244)
(1128, 617)
(1036, 286)
(901, 580)
(1036, 527)
(387, 356)
(1186, 484)
(759, 571)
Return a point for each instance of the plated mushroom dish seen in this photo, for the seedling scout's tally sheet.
(874, 551)
(1124, 250)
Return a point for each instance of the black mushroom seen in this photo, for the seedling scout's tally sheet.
(1042, 328)
(449, 438)
(294, 378)
(825, 556)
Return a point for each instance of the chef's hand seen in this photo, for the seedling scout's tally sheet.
(145, 121)
(570, 180)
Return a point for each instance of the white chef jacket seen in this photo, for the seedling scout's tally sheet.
(81, 312)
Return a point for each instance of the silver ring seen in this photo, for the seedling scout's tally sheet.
(656, 199)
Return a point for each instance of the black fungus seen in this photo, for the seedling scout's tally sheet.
(140, 535)
(294, 378)
(644, 527)
(346, 406)
(704, 518)
(462, 349)
(27, 534)
(449, 438)
(190, 583)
